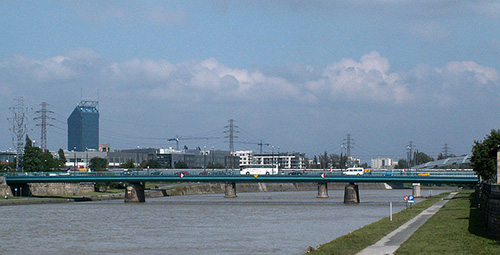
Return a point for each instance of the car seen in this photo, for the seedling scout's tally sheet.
(182, 172)
(389, 173)
(295, 173)
(205, 173)
(424, 174)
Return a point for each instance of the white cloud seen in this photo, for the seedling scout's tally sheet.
(368, 80)
(480, 73)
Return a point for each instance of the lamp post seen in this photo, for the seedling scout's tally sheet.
(204, 158)
(74, 155)
(278, 159)
(272, 155)
(137, 157)
(87, 159)
(342, 163)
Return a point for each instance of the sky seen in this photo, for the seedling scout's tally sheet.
(299, 75)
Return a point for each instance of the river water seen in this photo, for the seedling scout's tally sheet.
(252, 223)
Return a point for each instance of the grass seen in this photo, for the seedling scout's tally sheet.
(357, 240)
(456, 228)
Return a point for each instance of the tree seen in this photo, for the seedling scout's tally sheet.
(128, 164)
(421, 158)
(99, 164)
(402, 164)
(62, 158)
(215, 165)
(153, 164)
(180, 165)
(34, 159)
(30, 161)
(482, 163)
(324, 160)
(335, 160)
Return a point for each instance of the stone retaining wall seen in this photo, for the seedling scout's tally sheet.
(4, 188)
(59, 189)
(211, 188)
(489, 203)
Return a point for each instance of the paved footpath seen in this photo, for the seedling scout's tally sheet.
(391, 242)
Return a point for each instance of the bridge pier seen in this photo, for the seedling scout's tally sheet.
(134, 193)
(351, 194)
(416, 190)
(322, 190)
(230, 190)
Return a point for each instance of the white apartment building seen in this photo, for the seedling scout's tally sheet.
(382, 163)
(246, 157)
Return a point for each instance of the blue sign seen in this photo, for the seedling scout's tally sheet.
(411, 199)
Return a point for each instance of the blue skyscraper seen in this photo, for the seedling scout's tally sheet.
(83, 127)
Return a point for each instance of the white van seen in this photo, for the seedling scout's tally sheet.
(354, 171)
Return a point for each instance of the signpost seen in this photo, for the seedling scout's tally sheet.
(409, 200)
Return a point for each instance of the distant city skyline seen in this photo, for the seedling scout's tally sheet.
(300, 75)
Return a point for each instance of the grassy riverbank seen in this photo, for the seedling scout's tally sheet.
(454, 229)
(357, 240)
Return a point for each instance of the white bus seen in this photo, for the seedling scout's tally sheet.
(259, 169)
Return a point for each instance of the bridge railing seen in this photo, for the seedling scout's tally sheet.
(290, 172)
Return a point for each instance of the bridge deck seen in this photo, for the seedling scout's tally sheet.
(240, 178)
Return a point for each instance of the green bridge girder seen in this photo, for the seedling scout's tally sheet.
(242, 179)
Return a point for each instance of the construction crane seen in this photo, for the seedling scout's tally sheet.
(260, 144)
(177, 139)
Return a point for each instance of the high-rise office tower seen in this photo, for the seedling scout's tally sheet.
(83, 127)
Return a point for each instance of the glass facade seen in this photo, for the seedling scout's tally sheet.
(83, 127)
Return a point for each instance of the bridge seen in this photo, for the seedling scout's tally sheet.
(136, 179)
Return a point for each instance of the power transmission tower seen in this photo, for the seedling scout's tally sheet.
(446, 148)
(231, 129)
(349, 145)
(43, 117)
(19, 126)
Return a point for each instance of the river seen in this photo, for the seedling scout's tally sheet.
(252, 223)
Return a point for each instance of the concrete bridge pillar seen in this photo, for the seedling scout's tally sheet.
(230, 190)
(416, 190)
(322, 190)
(134, 193)
(351, 194)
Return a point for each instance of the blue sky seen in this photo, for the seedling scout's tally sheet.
(300, 75)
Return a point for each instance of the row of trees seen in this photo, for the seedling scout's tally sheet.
(341, 161)
(36, 160)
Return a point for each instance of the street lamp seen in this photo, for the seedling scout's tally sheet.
(74, 155)
(204, 158)
(272, 155)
